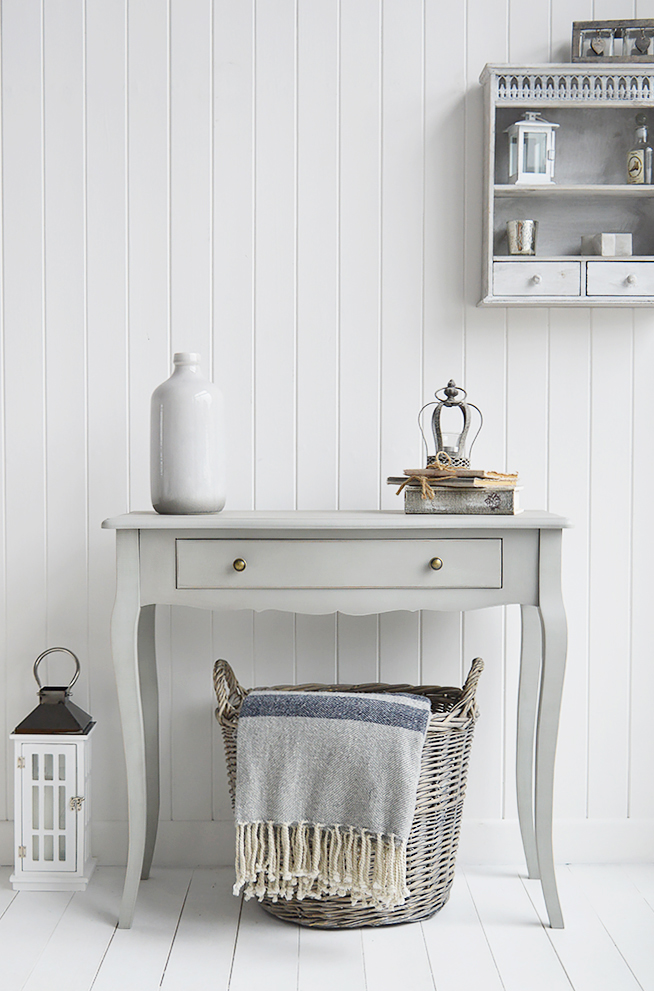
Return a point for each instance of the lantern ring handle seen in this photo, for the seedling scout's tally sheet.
(54, 650)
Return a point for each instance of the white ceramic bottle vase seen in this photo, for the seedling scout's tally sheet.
(187, 438)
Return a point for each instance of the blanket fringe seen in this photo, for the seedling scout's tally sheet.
(308, 860)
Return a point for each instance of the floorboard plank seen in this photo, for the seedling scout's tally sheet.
(26, 928)
(457, 946)
(82, 935)
(626, 915)
(517, 939)
(331, 958)
(396, 957)
(642, 877)
(7, 893)
(585, 949)
(203, 949)
(137, 957)
(266, 952)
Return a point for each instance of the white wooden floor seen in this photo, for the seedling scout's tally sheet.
(191, 933)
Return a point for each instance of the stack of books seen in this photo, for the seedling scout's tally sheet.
(458, 490)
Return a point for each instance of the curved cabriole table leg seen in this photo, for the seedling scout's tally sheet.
(530, 667)
(555, 637)
(150, 707)
(124, 645)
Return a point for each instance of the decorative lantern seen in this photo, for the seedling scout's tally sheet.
(531, 150)
(450, 446)
(52, 815)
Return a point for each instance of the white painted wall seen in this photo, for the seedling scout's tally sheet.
(293, 189)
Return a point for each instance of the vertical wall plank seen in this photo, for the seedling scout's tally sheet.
(192, 715)
(359, 227)
(641, 786)
(190, 176)
(317, 254)
(107, 372)
(569, 494)
(149, 235)
(529, 32)
(610, 526)
(233, 247)
(65, 333)
(275, 253)
(402, 237)
(6, 778)
(25, 509)
(358, 649)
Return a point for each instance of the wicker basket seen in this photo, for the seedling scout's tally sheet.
(434, 836)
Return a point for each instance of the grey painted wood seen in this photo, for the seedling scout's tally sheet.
(554, 629)
(528, 689)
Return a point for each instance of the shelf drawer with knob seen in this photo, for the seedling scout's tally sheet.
(536, 278)
(331, 563)
(620, 278)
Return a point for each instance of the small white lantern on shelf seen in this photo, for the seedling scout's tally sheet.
(52, 815)
(531, 150)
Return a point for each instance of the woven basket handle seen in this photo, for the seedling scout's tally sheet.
(466, 704)
(229, 694)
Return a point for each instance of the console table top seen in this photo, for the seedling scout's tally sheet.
(329, 520)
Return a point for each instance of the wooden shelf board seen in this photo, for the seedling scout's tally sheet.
(576, 258)
(547, 189)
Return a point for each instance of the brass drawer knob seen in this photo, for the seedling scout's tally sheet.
(239, 564)
(436, 563)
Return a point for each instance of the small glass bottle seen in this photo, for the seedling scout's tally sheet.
(639, 158)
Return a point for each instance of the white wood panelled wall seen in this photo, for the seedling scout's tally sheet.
(293, 189)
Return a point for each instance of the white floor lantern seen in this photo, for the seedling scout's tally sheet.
(52, 749)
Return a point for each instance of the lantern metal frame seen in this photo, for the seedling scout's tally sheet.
(52, 814)
(531, 124)
(448, 397)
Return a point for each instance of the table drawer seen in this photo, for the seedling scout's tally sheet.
(466, 563)
(534, 278)
(623, 278)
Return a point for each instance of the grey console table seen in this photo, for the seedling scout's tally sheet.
(350, 562)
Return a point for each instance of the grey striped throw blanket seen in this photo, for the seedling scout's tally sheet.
(325, 794)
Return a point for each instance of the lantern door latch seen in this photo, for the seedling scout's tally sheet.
(76, 803)
(20, 763)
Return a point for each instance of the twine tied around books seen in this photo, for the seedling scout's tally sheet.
(426, 491)
(442, 461)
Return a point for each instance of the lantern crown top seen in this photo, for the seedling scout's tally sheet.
(451, 391)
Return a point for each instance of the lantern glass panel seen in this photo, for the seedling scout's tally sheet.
(35, 767)
(534, 152)
(48, 808)
(62, 807)
(35, 846)
(62, 847)
(48, 847)
(35, 807)
(48, 767)
(513, 154)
